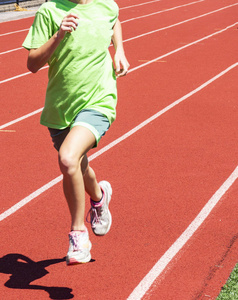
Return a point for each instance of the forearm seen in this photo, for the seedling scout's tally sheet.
(117, 37)
(120, 61)
(37, 58)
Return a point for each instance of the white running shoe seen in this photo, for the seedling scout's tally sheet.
(79, 247)
(100, 216)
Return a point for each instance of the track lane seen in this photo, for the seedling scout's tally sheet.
(142, 27)
(27, 152)
(129, 47)
(185, 167)
(181, 83)
(169, 40)
(211, 256)
(161, 8)
(178, 19)
(121, 238)
(9, 42)
(212, 105)
(19, 36)
(31, 88)
(15, 25)
(13, 64)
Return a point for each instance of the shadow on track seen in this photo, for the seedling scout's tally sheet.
(24, 271)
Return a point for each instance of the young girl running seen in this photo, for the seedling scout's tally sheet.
(80, 105)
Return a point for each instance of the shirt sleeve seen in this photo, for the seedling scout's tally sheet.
(39, 32)
(116, 13)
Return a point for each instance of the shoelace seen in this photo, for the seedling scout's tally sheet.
(74, 238)
(95, 218)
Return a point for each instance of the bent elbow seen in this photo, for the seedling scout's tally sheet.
(31, 67)
(32, 62)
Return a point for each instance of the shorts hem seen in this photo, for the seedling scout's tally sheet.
(90, 127)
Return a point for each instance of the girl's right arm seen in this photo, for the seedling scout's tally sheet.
(37, 58)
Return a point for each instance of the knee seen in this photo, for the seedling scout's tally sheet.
(68, 163)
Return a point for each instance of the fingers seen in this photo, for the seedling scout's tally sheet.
(121, 68)
(117, 65)
(121, 73)
(69, 23)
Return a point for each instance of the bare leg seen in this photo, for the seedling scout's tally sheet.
(72, 164)
(91, 185)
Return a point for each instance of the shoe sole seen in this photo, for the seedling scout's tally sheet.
(74, 261)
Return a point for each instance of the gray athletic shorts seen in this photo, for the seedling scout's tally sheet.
(96, 122)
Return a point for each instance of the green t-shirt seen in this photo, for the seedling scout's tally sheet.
(81, 73)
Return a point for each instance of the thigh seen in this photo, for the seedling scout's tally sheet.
(58, 136)
(96, 122)
(78, 142)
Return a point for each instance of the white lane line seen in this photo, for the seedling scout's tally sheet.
(21, 75)
(15, 77)
(21, 118)
(32, 196)
(163, 262)
(12, 32)
(131, 70)
(132, 6)
(12, 50)
(173, 8)
(141, 4)
(50, 184)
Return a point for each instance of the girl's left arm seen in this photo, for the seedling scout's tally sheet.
(121, 63)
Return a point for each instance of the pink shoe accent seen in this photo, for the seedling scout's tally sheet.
(72, 261)
(98, 203)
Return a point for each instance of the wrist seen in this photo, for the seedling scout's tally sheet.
(58, 36)
(119, 49)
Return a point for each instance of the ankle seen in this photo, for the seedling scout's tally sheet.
(78, 228)
(98, 196)
(97, 203)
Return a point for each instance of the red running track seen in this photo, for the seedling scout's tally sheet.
(162, 175)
